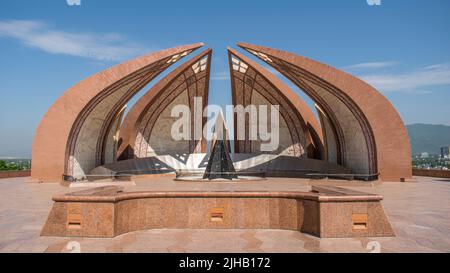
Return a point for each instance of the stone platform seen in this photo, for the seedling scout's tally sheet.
(326, 212)
(419, 213)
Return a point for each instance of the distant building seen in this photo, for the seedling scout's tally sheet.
(425, 155)
(445, 152)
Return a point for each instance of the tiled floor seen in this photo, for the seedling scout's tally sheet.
(419, 213)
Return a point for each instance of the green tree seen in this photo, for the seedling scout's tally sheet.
(5, 166)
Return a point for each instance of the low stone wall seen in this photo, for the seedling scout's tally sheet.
(11, 174)
(326, 212)
(432, 173)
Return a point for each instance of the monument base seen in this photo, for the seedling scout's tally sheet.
(326, 212)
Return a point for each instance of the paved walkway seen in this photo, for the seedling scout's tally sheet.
(419, 213)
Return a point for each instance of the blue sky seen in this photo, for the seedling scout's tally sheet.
(401, 47)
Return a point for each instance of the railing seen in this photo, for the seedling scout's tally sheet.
(183, 173)
(432, 173)
(347, 177)
(94, 178)
(115, 176)
(127, 175)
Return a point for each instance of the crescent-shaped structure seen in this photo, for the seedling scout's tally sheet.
(360, 134)
(362, 130)
(75, 134)
(300, 132)
(145, 131)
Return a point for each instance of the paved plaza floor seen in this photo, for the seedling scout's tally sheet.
(419, 213)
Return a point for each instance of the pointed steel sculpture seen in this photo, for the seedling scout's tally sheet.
(220, 165)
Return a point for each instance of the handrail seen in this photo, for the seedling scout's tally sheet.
(180, 173)
(364, 177)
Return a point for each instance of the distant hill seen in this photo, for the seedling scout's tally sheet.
(427, 138)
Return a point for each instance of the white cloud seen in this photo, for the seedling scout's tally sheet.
(98, 46)
(433, 75)
(371, 65)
